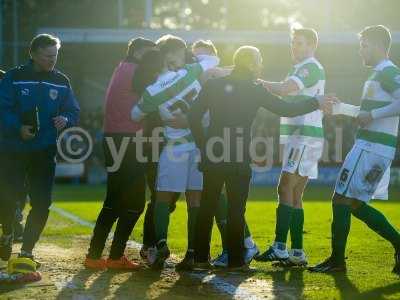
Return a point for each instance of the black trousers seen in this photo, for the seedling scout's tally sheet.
(149, 231)
(125, 201)
(38, 169)
(8, 196)
(237, 188)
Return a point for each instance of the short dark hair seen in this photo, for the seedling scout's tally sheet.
(309, 34)
(44, 40)
(170, 43)
(378, 34)
(149, 67)
(137, 44)
(207, 44)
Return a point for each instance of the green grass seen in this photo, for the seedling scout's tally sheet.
(370, 257)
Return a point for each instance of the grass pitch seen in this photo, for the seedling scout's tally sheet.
(370, 258)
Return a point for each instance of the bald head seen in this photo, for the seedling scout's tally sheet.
(248, 58)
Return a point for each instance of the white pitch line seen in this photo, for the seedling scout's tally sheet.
(216, 281)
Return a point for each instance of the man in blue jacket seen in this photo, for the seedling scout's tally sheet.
(36, 103)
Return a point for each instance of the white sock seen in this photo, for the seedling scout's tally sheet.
(249, 243)
(279, 245)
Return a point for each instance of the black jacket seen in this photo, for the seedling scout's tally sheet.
(233, 102)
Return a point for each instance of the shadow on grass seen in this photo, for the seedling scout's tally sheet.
(287, 283)
(348, 291)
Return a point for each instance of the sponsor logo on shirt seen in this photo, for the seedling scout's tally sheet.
(166, 83)
(304, 73)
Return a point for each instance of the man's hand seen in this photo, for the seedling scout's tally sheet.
(364, 118)
(60, 122)
(327, 102)
(264, 83)
(26, 132)
(178, 122)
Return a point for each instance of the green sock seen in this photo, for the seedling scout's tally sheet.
(191, 225)
(296, 228)
(378, 223)
(283, 218)
(161, 220)
(220, 218)
(340, 230)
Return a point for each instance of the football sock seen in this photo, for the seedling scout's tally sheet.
(191, 225)
(249, 243)
(248, 240)
(296, 228)
(161, 219)
(378, 223)
(340, 229)
(283, 219)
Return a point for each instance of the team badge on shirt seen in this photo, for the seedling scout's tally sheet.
(53, 93)
(25, 92)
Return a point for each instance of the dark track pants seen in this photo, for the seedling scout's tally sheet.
(237, 189)
(124, 202)
(37, 168)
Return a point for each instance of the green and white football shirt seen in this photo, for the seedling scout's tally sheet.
(173, 93)
(381, 89)
(307, 129)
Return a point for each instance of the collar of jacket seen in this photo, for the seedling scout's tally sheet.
(29, 66)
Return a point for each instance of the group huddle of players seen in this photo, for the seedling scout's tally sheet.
(171, 85)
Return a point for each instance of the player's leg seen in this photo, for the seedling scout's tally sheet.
(161, 221)
(359, 179)
(296, 254)
(41, 171)
(284, 211)
(251, 249)
(341, 213)
(307, 169)
(380, 224)
(193, 197)
(172, 178)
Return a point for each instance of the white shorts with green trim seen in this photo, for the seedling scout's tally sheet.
(301, 159)
(178, 172)
(364, 176)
